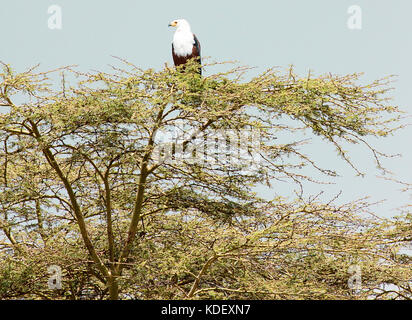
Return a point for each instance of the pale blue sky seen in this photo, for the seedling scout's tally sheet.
(308, 34)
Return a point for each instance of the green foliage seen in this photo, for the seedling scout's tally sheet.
(82, 186)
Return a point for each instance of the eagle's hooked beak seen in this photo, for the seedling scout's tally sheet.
(172, 24)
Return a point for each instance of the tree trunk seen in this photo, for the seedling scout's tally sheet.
(113, 285)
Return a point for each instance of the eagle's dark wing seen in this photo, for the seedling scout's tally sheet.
(196, 49)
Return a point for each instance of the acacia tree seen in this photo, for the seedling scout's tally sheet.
(90, 183)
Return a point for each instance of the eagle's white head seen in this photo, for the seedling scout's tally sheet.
(180, 24)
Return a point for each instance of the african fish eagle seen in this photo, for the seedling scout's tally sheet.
(185, 45)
